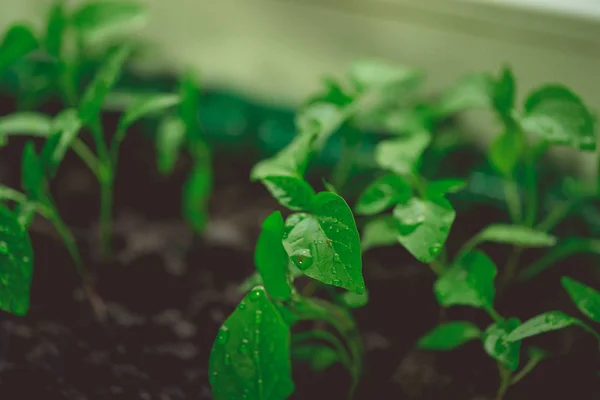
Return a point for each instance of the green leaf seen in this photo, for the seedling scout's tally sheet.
(65, 128)
(55, 29)
(354, 300)
(25, 123)
(103, 82)
(147, 105)
(559, 116)
(379, 232)
(472, 91)
(424, 226)
(16, 264)
(319, 356)
(251, 354)
(505, 151)
(449, 336)
(376, 75)
(469, 283)
(546, 322)
(320, 120)
(271, 259)
(326, 245)
(495, 343)
(516, 235)
(442, 187)
(196, 193)
(189, 94)
(32, 174)
(283, 174)
(18, 41)
(585, 298)
(504, 93)
(329, 187)
(169, 140)
(383, 193)
(100, 20)
(333, 93)
(401, 155)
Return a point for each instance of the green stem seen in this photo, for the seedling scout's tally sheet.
(106, 205)
(531, 364)
(513, 200)
(557, 214)
(326, 337)
(505, 381)
(512, 264)
(493, 313)
(437, 267)
(87, 156)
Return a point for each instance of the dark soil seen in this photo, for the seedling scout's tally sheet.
(168, 291)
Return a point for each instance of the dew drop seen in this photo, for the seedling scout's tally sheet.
(256, 295)
(329, 243)
(3, 247)
(25, 259)
(337, 282)
(223, 335)
(302, 258)
(258, 316)
(244, 348)
(435, 249)
(333, 270)
(227, 360)
(336, 258)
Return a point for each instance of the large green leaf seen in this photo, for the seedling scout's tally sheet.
(559, 116)
(271, 259)
(103, 82)
(65, 128)
(496, 345)
(18, 41)
(16, 264)
(470, 283)
(98, 21)
(326, 244)
(585, 298)
(424, 226)
(401, 155)
(383, 193)
(170, 138)
(379, 232)
(472, 91)
(283, 174)
(449, 336)
(196, 193)
(546, 322)
(250, 358)
(515, 234)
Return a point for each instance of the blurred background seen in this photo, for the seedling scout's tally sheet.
(277, 51)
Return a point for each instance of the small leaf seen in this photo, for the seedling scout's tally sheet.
(505, 151)
(251, 354)
(376, 75)
(18, 41)
(147, 105)
(32, 173)
(472, 91)
(319, 356)
(442, 187)
(101, 20)
(189, 107)
(25, 123)
(504, 93)
(329, 187)
(424, 226)
(271, 259)
(546, 322)
(400, 155)
(103, 82)
(470, 283)
(354, 300)
(196, 193)
(169, 140)
(16, 264)
(516, 235)
(495, 343)
(283, 174)
(333, 93)
(383, 193)
(585, 298)
(320, 120)
(559, 116)
(65, 128)
(379, 232)
(326, 245)
(55, 29)
(449, 336)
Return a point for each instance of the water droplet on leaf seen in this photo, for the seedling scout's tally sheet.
(244, 348)
(223, 335)
(336, 257)
(302, 258)
(337, 282)
(256, 294)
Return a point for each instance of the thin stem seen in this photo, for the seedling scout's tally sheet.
(115, 145)
(531, 364)
(106, 204)
(69, 240)
(505, 381)
(512, 264)
(437, 267)
(493, 313)
(467, 247)
(87, 156)
(327, 337)
(513, 200)
(557, 214)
